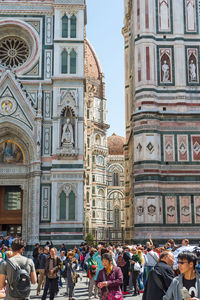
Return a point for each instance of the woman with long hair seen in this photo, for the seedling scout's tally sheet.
(69, 273)
(135, 267)
(140, 278)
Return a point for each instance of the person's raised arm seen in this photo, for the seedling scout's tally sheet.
(150, 240)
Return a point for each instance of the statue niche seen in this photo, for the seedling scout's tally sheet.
(165, 69)
(193, 69)
(67, 128)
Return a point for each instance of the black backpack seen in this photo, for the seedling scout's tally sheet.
(21, 286)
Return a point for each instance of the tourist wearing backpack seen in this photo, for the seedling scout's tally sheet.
(92, 270)
(19, 272)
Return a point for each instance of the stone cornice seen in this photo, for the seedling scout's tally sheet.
(44, 8)
(70, 7)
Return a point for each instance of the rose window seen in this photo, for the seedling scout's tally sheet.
(14, 52)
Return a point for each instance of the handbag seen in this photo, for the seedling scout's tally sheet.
(113, 295)
(137, 266)
(75, 277)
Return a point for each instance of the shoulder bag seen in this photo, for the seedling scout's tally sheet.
(137, 266)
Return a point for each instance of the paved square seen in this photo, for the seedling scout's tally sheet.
(81, 291)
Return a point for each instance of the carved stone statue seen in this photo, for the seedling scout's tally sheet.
(192, 70)
(67, 135)
(165, 70)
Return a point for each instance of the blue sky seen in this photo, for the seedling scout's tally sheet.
(104, 25)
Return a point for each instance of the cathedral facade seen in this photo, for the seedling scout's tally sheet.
(42, 119)
(104, 160)
(162, 150)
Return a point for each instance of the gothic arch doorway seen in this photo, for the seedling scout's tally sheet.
(19, 184)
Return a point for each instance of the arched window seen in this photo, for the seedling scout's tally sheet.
(115, 179)
(88, 197)
(88, 142)
(65, 26)
(88, 112)
(64, 57)
(87, 227)
(62, 215)
(101, 193)
(98, 139)
(73, 62)
(100, 160)
(93, 214)
(71, 211)
(116, 218)
(73, 27)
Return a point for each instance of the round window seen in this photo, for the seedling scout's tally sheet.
(14, 52)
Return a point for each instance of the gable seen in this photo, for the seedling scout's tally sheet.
(14, 103)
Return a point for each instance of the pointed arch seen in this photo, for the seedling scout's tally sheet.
(164, 15)
(87, 226)
(65, 26)
(116, 217)
(98, 139)
(191, 17)
(88, 197)
(62, 211)
(71, 208)
(165, 60)
(115, 179)
(64, 62)
(73, 62)
(11, 131)
(101, 193)
(73, 27)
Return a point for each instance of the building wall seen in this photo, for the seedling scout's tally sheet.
(165, 117)
(129, 108)
(96, 150)
(115, 199)
(47, 97)
(102, 200)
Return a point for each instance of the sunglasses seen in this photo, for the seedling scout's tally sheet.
(182, 262)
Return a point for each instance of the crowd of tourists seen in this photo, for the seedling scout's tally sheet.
(170, 272)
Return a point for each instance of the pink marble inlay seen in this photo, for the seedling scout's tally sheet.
(185, 209)
(169, 147)
(171, 209)
(182, 148)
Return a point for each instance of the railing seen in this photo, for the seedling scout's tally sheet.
(110, 235)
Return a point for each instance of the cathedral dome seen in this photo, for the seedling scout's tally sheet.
(115, 144)
(94, 69)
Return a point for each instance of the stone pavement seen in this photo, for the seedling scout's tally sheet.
(81, 291)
